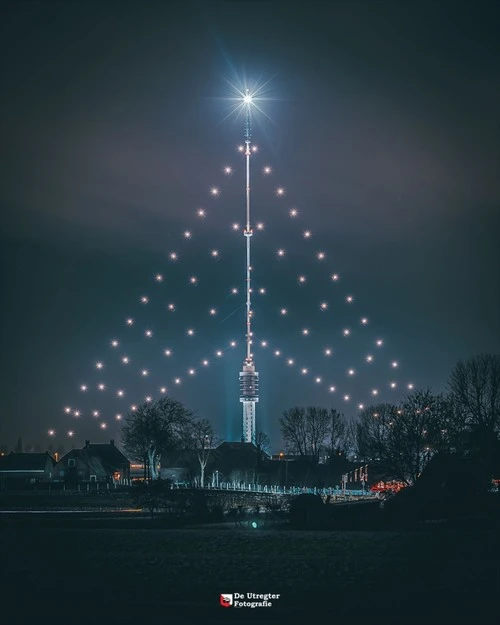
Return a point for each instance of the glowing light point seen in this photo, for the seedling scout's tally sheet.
(159, 277)
(335, 277)
(173, 256)
(280, 252)
(67, 410)
(71, 433)
(205, 363)
(379, 342)
(280, 191)
(187, 234)
(346, 332)
(120, 393)
(290, 361)
(283, 311)
(144, 299)
(393, 384)
(190, 332)
(51, 433)
(193, 280)
(263, 343)
(323, 306)
(241, 148)
(83, 388)
(201, 212)
(114, 343)
(369, 358)
(148, 399)
(301, 279)
(214, 191)
(331, 389)
(318, 380)
(212, 312)
(374, 392)
(267, 170)
(321, 255)
(304, 371)
(255, 148)
(361, 406)
(349, 299)
(307, 234)
(364, 321)
(171, 307)
(125, 360)
(305, 331)
(118, 417)
(411, 386)
(218, 353)
(133, 407)
(95, 413)
(247, 98)
(101, 387)
(328, 352)
(347, 397)
(394, 364)
(234, 291)
(350, 372)
(228, 170)
(77, 413)
(163, 390)
(294, 212)
(235, 226)
(191, 371)
(144, 373)
(232, 344)
(99, 365)
(277, 353)
(148, 333)
(262, 291)
(260, 226)
(103, 426)
(130, 322)
(214, 253)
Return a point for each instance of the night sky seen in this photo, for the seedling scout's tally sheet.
(381, 125)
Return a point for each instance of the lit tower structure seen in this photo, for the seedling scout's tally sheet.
(249, 378)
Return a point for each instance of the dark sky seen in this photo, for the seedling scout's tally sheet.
(384, 133)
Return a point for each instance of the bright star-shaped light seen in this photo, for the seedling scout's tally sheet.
(228, 170)
(144, 299)
(283, 311)
(393, 384)
(120, 393)
(103, 426)
(163, 390)
(187, 234)
(118, 417)
(95, 413)
(159, 277)
(260, 226)
(83, 388)
(294, 212)
(379, 342)
(205, 363)
(350, 372)
(318, 380)
(171, 307)
(144, 372)
(148, 333)
(173, 256)
(280, 252)
(290, 361)
(394, 364)
(307, 234)
(346, 332)
(191, 371)
(193, 280)
(77, 413)
(267, 170)
(214, 253)
(323, 305)
(212, 312)
(321, 255)
(190, 332)
(301, 279)
(168, 352)
(411, 387)
(332, 389)
(125, 360)
(280, 191)
(303, 371)
(305, 331)
(101, 387)
(218, 353)
(214, 191)
(375, 392)
(364, 321)
(349, 299)
(67, 410)
(262, 291)
(148, 398)
(335, 277)
(328, 352)
(234, 291)
(201, 212)
(114, 343)
(369, 358)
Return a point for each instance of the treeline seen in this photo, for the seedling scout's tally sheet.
(402, 438)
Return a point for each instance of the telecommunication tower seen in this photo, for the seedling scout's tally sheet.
(249, 377)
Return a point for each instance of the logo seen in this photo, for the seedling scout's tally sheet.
(226, 601)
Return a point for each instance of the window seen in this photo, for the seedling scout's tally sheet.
(93, 478)
(71, 462)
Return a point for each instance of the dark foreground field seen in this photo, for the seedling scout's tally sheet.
(77, 575)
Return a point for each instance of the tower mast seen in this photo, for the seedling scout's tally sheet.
(249, 378)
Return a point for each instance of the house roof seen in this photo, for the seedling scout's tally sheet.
(94, 463)
(109, 454)
(25, 462)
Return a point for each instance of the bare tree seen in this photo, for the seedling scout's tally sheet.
(338, 432)
(294, 430)
(203, 441)
(475, 389)
(402, 439)
(155, 428)
(263, 443)
(305, 431)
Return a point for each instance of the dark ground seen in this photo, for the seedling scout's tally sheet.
(78, 574)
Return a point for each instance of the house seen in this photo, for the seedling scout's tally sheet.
(25, 469)
(100, 463)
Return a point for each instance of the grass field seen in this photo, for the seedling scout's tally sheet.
(110, 576)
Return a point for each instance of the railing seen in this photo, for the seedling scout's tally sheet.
(278, 490)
